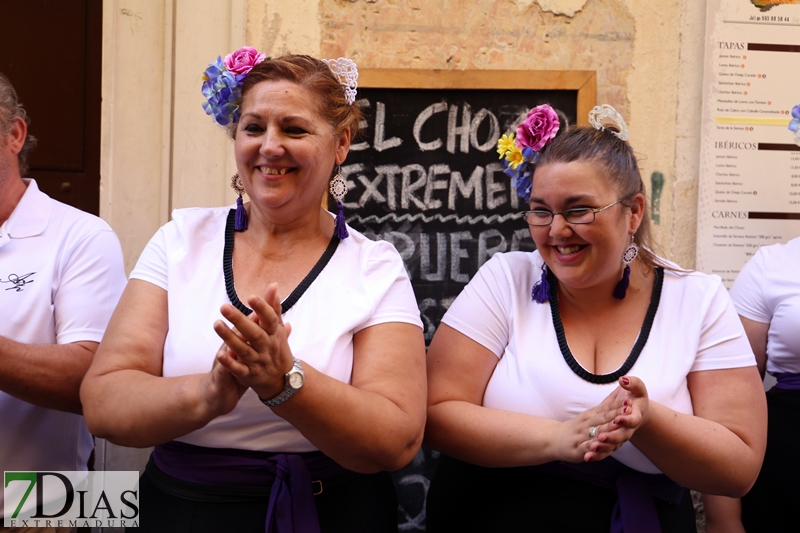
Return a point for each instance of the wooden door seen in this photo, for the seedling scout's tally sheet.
(51, 52)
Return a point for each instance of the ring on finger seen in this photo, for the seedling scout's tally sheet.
(593, 432)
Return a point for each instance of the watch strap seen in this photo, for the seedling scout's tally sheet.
(288, 391)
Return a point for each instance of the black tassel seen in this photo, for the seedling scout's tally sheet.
(622, 286)
(541, 290)
(240, 224)
(341, 227)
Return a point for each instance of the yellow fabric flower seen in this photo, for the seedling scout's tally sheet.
(505, 144)
(514, 157)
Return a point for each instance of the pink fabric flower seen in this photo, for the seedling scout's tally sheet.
(243, 60)
(538, 128)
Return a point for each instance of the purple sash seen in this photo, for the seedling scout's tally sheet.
(291, 498)
(634, 511)
(787, 381)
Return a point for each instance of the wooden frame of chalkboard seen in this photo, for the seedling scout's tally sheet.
(583, 81)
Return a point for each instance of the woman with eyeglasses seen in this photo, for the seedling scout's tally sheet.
(587, 385)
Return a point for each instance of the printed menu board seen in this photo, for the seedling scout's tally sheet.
(749, 192)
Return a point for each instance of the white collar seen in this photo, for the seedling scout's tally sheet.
(32, 213)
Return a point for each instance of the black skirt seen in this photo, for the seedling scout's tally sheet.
(773, 504)
(356, 502)
(468, 498)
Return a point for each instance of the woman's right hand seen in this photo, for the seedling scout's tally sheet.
(220, 390)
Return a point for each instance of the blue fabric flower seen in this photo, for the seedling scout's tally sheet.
(223, 93)
(795, 123)
(523, 184)
(521, 177)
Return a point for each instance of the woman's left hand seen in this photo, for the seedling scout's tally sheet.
(258, 353)
(634, 412)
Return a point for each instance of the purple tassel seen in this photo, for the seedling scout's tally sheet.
(240, 224)
(622, 286)
(541, 291)
(341, 227)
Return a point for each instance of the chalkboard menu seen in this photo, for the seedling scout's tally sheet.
(425, 176)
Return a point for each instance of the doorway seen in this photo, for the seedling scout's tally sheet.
(51, 50)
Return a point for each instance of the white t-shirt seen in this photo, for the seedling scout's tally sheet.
(767, 290)
(695, 328)
(61, 274)
(363, 284)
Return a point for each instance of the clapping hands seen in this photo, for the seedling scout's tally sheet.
(255, 352)
(597, 432)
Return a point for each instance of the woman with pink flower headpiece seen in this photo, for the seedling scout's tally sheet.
(584, 386)
(282, 428)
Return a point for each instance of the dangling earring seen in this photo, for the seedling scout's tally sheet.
(240, 224)
(541, 290)
(628, 256)
(338, 189)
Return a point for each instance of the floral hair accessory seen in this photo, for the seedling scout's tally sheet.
(600, 115)
(538, 128)
(222, 84)
(520, 154)
(794, 125)
(243, 60)
(346, 72)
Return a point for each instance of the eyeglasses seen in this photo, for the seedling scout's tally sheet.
(576, 215)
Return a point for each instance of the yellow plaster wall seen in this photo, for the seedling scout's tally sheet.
(136, 84)
(687, 134)
(653, 97)
(284, 26)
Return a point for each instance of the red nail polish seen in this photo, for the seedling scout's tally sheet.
(625, 381)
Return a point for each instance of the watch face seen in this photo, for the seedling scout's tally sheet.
(296, 380)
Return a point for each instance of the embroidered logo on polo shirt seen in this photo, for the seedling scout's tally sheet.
(18, 282)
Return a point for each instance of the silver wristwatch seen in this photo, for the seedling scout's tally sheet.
(294, 381)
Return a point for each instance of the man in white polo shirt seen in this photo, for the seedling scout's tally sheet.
(61, 274)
